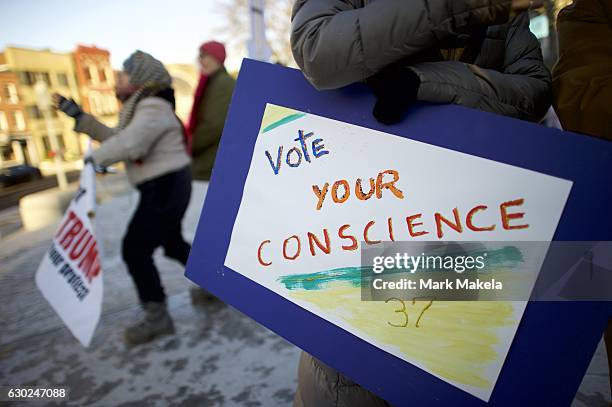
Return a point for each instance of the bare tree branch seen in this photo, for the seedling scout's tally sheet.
(236, 29)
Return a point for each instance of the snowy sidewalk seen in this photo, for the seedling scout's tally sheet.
(217, 357)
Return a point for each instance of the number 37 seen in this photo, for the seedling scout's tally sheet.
(404, 312)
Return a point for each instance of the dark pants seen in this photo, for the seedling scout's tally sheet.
(157, 222)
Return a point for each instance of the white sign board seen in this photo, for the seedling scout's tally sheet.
(70, 276)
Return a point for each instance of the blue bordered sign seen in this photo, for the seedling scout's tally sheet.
(285, 186)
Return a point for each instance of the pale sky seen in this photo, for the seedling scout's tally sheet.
(170, 30)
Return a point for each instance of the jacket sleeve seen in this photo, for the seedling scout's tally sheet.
(582, 77)
(209, 132)
(521, 90)
(136, 139)
(336, 43)
(93, 128)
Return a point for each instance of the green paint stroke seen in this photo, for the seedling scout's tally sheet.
(507, 257)
(284, 120)
(319, 280)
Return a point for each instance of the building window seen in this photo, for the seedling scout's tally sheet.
(107, 106)
(27, 78)
(110, 77)
(60, 142)
(30, 78)
(45, 77)
(9, 93)
(112, 103)
(91, 73)
(102, 75)
(48, 147)
(7, 152)
(94, 75)
(4, 126)
(93, 104)
(33, 112)
(62, 79)
(19, 120)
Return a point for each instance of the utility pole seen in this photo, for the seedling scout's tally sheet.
(44, 104)
(257, 46)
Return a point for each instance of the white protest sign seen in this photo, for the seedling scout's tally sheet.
(317, 187)
(70, 276)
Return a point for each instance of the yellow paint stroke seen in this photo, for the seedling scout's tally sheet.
(275, 113)
(456, 340)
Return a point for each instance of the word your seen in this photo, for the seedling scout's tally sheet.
(377, 186)
(437, 262)
(294, 155)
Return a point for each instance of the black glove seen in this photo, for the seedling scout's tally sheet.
(395, 88)
(97, 168)
(88, 160)
(69, 107)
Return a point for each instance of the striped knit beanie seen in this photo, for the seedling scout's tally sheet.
(149, 74)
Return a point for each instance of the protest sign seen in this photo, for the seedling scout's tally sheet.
(303, 178)
(326, 185)
(70, 276)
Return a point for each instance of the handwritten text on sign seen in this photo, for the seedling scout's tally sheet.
(339, 191)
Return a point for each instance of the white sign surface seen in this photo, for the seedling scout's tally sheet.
(318, 188)
(69, 276)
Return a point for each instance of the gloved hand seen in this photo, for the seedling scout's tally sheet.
(68, 106)
(395, 88)
(88, 160)
(97, 168)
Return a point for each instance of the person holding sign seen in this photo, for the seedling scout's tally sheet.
(475, 53)
(582, 81)
(210, 104)
(582, 78)
(150, 141)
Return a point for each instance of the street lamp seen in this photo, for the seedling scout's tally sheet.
(44, 104)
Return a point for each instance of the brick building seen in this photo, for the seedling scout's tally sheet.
(13, 123)
(84, 75)
(96, 82)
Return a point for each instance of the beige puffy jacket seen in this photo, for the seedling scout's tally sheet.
(150, 145)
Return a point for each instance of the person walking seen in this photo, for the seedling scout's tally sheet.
(210, 104)
(582, 78)
(475, 53)
(582, 81)
(150, 141)
(205, 126)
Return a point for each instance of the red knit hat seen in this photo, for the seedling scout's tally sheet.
(214, 49)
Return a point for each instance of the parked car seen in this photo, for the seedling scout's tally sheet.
(18, 174)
